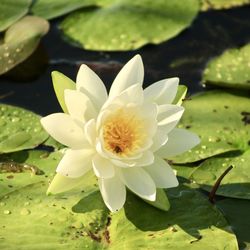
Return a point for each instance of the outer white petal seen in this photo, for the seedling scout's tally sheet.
(89, 83)
(162, 92)
(79, 105)
(160, 138)
(162, 174)
(113, 193)
(169, 116)
(75, 163)
(139, 181)
(179, 141)
(131, 73)
(103, 168)
(90, 131)
(65, 130)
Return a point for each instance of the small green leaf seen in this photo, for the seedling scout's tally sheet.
(60, 83)
(181, 93)
(20, 41)
(11, 11)
(20, 129)
(231, 69)
(121, 24)
(220, 120)
(161, 201)
(235, 184)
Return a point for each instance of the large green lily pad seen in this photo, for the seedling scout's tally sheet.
(11, 11)
(31, 220)
(222, 4)
(221, 120)
(235, 184)
(20, 129)
(23, 168)
(231, 69)
(20, 41)
(49, 9)
(237, 212)
(129, 24)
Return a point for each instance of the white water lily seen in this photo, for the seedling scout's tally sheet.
(123, 137)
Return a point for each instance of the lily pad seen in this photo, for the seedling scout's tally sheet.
(20, 129)
(235, 184)
(49, 9)
(231, 69)
(23, 168)
(128, 25)
(222, 4)
(221, 120)
(236, 212)
(11, 11)
(31, 220)
(20, 41)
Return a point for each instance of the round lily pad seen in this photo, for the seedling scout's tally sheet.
(20, 169)
(20, 41)
(221, 120)
(236, 212)
(31, 220)
(20, 129)
(231, 69)
(11, 11)
(235, 184)
(222, 4)
(128, 25)
(49, 9)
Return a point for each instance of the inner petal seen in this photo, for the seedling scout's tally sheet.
(124, 132)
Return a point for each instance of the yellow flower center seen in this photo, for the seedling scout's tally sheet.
(123, 132)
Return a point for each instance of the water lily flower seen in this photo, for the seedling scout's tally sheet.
(123, 136)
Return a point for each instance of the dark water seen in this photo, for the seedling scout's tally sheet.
(184, 56)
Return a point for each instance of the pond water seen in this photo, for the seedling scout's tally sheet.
(185, 56)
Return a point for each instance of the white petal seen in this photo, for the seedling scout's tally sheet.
(162, 174)
(79, 105)
(113, 193)
(146, 158)
(169, 116)
(131, 73)
(65, 130)
(179, 141)
(160, 138)
(89, 83)
(75, 163)
(139, 182)
(103, 168)
(162, 92)
(133, 95)
(90, 131)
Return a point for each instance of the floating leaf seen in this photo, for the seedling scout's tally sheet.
(20, 41)
(237, 212)
(181, 93)
(11, 11)
(35, 166)
(20, 129)
(220, 119)
(49, 9)
(235, 184)
(128, 25)
(32, 220)
(222, 4)
(231, 69)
